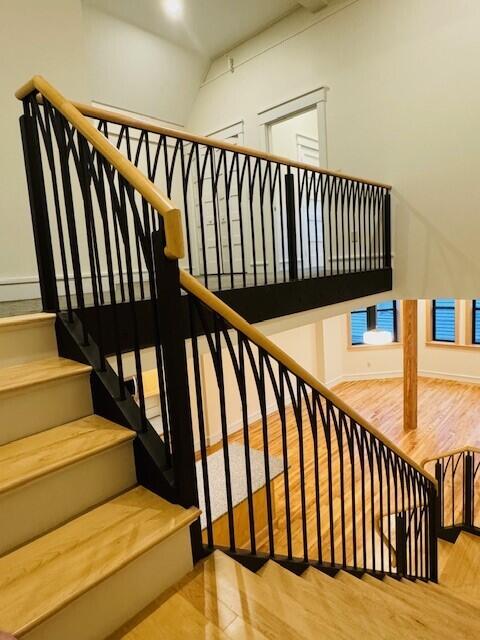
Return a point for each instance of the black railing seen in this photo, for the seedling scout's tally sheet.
(95, 233)
(284, 468)
(251, 219)
(303, 479)
(458, 478)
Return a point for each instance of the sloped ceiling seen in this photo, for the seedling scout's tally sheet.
(210, 27)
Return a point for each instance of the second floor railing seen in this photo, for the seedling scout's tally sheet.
(253, 218)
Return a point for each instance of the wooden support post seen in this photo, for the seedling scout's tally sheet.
(410, 364)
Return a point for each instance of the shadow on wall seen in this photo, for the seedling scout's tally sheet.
(433, 253)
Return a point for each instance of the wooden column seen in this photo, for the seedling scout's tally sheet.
(410, 364)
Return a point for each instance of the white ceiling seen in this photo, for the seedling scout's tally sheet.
(210, 27)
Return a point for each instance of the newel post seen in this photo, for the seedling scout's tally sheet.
(39, 211)
(172, 336)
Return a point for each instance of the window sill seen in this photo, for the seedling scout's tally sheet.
(451, 345)
(374, 347)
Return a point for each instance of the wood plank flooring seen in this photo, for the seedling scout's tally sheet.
(449, 417)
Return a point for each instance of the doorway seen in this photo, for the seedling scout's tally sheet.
(296, 136)
(218, 225)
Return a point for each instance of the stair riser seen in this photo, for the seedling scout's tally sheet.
(101, 610)
(26, 343)
(24, 412)
(35, 508)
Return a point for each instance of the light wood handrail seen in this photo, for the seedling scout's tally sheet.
(137, 123)
(174, 248)
(196, 288)
(453, 452)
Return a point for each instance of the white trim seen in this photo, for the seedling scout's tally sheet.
(314, 99)
(28, 287)
(457, 377)
(236, 425)
(228, 131)
(14, 289)
(136, 114)
(384, 375)
(290, 106)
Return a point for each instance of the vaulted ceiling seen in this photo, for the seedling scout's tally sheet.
(210, 27)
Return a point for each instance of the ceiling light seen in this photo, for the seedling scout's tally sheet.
(373, 335)
(377, 337)
(174, 8)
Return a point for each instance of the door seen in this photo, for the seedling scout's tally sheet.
(311, 215)
(217, 208)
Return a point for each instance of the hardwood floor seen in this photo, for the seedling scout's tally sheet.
(448, 413)
(449, 417)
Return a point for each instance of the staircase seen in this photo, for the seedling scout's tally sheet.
(222, 599)
(82, 546)
(88, 548)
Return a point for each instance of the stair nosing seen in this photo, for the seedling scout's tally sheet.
(27, 320)
(77, 369)
(188, 516)
(75, 459)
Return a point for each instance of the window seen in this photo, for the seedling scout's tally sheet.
(386, 313)
(443, 320)
(476, 322)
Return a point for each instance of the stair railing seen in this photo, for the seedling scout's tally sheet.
(253, 218)
(458, 478)
(326, 474)
(306, 482)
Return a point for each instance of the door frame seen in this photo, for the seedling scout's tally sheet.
(314, 99)
(224, 133)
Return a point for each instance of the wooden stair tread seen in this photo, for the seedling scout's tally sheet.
(173, 619)
(307, 593)
(462, 569)
(40, 578)
(27, 459)
(22, 376)
(223, 590)
(30, 319)
(452, 614)
(444, 550)
(356, 598)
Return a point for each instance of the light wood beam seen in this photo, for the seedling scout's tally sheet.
(410, 364)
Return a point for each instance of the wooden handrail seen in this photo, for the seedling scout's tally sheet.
(453, 452)
(193, 286)
(101, 113)
(174, 248)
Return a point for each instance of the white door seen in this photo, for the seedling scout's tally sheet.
(311, 215)
(217, 216)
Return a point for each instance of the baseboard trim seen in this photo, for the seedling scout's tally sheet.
(385, 375)
(455, 377)
(28, 287)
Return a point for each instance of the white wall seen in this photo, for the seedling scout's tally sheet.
(36, 38)
(344, 362)
(283, 135)
(402, 107)
(87, 55)
(136, 70)
(302, 343)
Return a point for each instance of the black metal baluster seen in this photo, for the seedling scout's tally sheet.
(193, 310)
(240, 179)
(262, 185)
(283, 420)
(251, 190)
(291, 226)
(216, 220)
(39, 212)
(217, 354)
